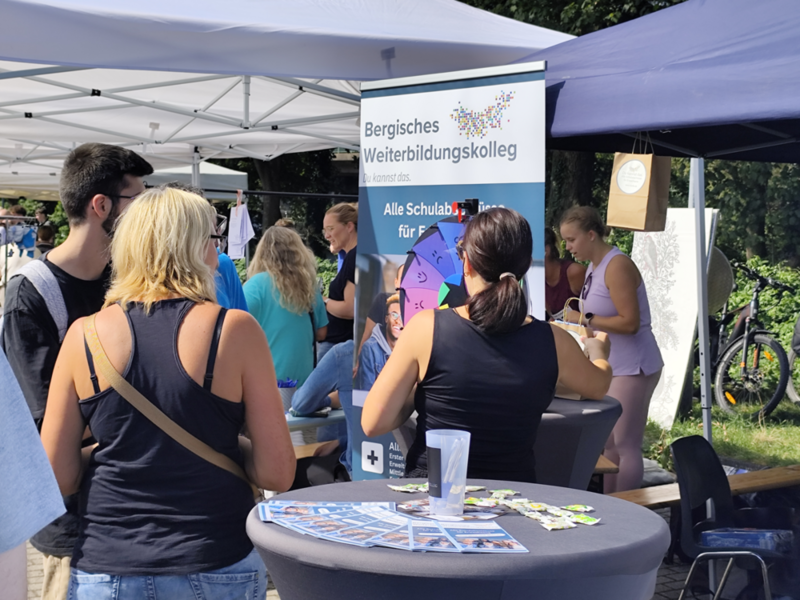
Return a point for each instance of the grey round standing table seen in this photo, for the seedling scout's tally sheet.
(570, 437)
(615, 560)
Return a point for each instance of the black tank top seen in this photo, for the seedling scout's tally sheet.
(149, 506)
(494, 386)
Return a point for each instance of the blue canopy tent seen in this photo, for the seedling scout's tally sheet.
(702, 79)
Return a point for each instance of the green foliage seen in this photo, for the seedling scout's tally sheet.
(312, 172)
(241, 269)
(58, 217)
(326, 269)
(570, 16)
(778, 311)
(759, 202)
(772, 441)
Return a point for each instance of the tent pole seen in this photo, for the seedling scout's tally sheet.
(697, 201)
(196, 168)
(246, 109)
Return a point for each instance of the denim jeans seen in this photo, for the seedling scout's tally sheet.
(244, 580)
(322, 349)
(334, 372)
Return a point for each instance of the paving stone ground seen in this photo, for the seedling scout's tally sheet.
(668, 584)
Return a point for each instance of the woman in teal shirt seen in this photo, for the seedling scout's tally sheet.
(283, 296)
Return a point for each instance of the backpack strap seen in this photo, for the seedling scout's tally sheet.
(43, 280)
(313, 336)
(212, 351)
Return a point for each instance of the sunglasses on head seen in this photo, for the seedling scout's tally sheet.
(587, 285)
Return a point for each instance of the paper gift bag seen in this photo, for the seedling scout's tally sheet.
(639, 192)
(574, 327)
(563, 391)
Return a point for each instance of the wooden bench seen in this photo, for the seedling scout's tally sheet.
(605, 467)
(307, 450)
(663, 496)
(296, 423)
(669, 495)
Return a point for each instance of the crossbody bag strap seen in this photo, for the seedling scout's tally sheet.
(313, 336)
(151, 411)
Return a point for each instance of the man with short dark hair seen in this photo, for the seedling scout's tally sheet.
(45, 238)
(41, 217)
(98, 182)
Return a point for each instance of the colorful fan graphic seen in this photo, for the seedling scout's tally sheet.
(433, 273)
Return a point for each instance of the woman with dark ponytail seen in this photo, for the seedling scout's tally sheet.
(487, 367)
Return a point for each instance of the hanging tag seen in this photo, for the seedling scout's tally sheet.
(457, 210)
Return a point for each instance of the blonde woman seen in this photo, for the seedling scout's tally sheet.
(615, 300)
(282, 294)
(156, 519)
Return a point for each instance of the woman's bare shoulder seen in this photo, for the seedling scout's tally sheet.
(243, 327)
(622, 266)
(419, 327)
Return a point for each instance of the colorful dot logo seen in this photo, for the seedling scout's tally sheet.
(473, 123)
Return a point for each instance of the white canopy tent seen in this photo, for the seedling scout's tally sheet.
(41, 182)
(277, 76)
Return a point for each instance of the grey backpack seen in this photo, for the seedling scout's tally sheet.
(46, 284)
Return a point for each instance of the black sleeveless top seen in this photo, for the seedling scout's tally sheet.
(494, 386)
(149, 506)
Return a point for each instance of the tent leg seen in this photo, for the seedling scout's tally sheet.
(196, 168)
(697, 201)
(246, 109)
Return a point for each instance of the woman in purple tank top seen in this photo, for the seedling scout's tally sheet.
(615, 301)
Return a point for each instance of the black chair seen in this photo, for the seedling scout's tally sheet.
(701, 478)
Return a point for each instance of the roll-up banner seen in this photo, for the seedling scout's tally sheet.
(426, 143)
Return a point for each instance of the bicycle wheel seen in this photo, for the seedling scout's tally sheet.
(758, 390)
(794, 378)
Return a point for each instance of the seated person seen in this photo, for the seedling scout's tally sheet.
(331, 384)
(377, 309)
(376, 350)
(487, 367)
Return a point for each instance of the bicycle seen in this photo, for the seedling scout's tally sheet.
(793, 384)
(752, 372)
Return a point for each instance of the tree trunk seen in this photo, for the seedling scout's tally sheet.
(570, 182)
(269, 174)
(755, 237)
(315, 214)
(757, 223)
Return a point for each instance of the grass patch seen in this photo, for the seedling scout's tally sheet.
(771, 443)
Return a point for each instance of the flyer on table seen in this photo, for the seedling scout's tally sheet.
(481, 537)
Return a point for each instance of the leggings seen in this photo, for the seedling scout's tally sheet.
(624, 445)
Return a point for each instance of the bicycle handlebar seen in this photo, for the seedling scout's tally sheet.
(750, 274)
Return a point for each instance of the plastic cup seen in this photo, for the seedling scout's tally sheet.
(448, 455)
